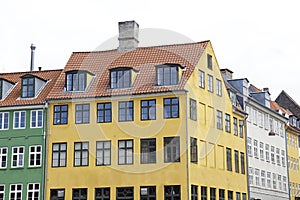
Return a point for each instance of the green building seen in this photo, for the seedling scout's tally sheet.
(23, 120)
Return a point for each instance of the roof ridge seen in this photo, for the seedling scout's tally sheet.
(48, 70)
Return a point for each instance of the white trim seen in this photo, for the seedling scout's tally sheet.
(37, 120)
(2, 154)
(12, 154)
(16, 191)
(2, 122)
(33, 191)
(19, 111)
(35, 153)
(3, 108)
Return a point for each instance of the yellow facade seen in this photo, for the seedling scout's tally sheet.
(209, 171)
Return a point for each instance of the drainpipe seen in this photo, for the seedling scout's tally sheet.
(187, 147)
(45, 150)
(287, 167)
(247, 160)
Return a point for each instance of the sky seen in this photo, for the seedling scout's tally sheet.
(257, 39)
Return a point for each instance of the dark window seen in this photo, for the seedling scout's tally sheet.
(82, 113)
(59, 154)
(193, 109)
(35, 156)
(238, 196)
(194, 192)
(1, 89)
(27, 87)
(148, 110)
(236, 161)
(4, 119)
(33, 191)
(3, 157)
(244, 196)
(125, 193)
(148, 151)
(57, 194)
(79, 194)
(235, 126)
(241, 125)
(242, 162)
(167, 75)
(103, 112)
(219, 120)
(102, 194)
(171, 108)
(194, 150)
(103, 153)
(60, 114)
(172, 192)
(212, 193)
(120, 78)
(230, 195)
(228, 159)
(81, 154)
(148, 193)
(76, 81)
(172, 149)
(227, 123)
(16, 191)
(203, 193)
(209, 61)
(125, 111)
(125, 152)
(221, 194)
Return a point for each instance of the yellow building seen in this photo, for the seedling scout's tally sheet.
(144, 123)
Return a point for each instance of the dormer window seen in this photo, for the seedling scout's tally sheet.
(168, 74)
(121, 77)
(28, 87)
(77, 80)
(5, 87)
(1, 89)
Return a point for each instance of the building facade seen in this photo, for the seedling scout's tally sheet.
(144, 123)
(23, 121)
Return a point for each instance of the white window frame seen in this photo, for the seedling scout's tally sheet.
(103, 153)
(267, 150)
(218, 87)
(254, 116)
(35, 124)
(261, 151)
(273, 155)
(16, 191)
(20, 119)
(2, 122)
(283, 162)
(3, 156)
(255, 148)
(274, 180)
(257, 178)
(2, 192)
(33, 191)
(250, 171)
(263, 178)
(35, 153)
(249, 146)
(278, 162)
(201, 79)
(18, 156)
(269, 184)
(210, 83)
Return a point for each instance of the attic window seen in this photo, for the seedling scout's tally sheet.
(121, 77)
(77, 80)
(28, 87)
(1, 89)
(209, 61)
(167, 74)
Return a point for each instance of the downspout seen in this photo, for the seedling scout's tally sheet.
(45, 150)
(287, 165)
(247, 161)
(187, 146)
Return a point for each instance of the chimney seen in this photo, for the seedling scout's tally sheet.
(227, 74)
(32, 57)
(40, 68)
(128, 35)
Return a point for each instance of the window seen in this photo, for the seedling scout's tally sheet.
(212, 193)
(242, 155)
(230, 195)
(120, 78)
(236, 161)
(79, 194)
(269, 180)
(219, 120)
(244, 196)
(210, 84)
(203, 193)
(125, 152)
(172, 149)
(221, 194)
(255, 148)
(172, 192)
(279, 182)
(103, 153)
(278, 156)
(249, 146)
(235, 126)
(228, 159)
(102, 194)
(194, 150)
(81, 154)
(171, 108)
(35, 156)
(194, 192)
(36, 119)
(218, 87)
(19, 119)
(167, 75)
(60, 114)
(267, 153)
(148, 109)
(76, 80)
(273, 154)
(82, 113)
(263, 178)
(201, 77)
(15, 192)
(59, 154)
(209, 61)
(3, 157)
(261, 150)
(193, 109)
(254, 117)
(104, 112)
(238, 196)
(256, 175)
(148, 151)
(17, 157)
(125, 193)
(125, 111)
(250, 172)
(227, 123)
(148, 193)
(33, 191)
(57, 194)
(4, 118)
(27, 87)
(241, 125)
(284, 184)
(274, 181)
(283, 158)
(2, 192)
(259, 118)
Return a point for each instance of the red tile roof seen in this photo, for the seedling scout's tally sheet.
(143, 60)
(13, 98)
(275, 106)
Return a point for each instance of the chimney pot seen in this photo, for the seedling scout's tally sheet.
(128, 35)
(32, 47)
(40, 68)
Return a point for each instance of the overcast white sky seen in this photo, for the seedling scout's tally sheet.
(257, 39)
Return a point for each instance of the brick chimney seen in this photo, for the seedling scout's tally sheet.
(128, 35)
